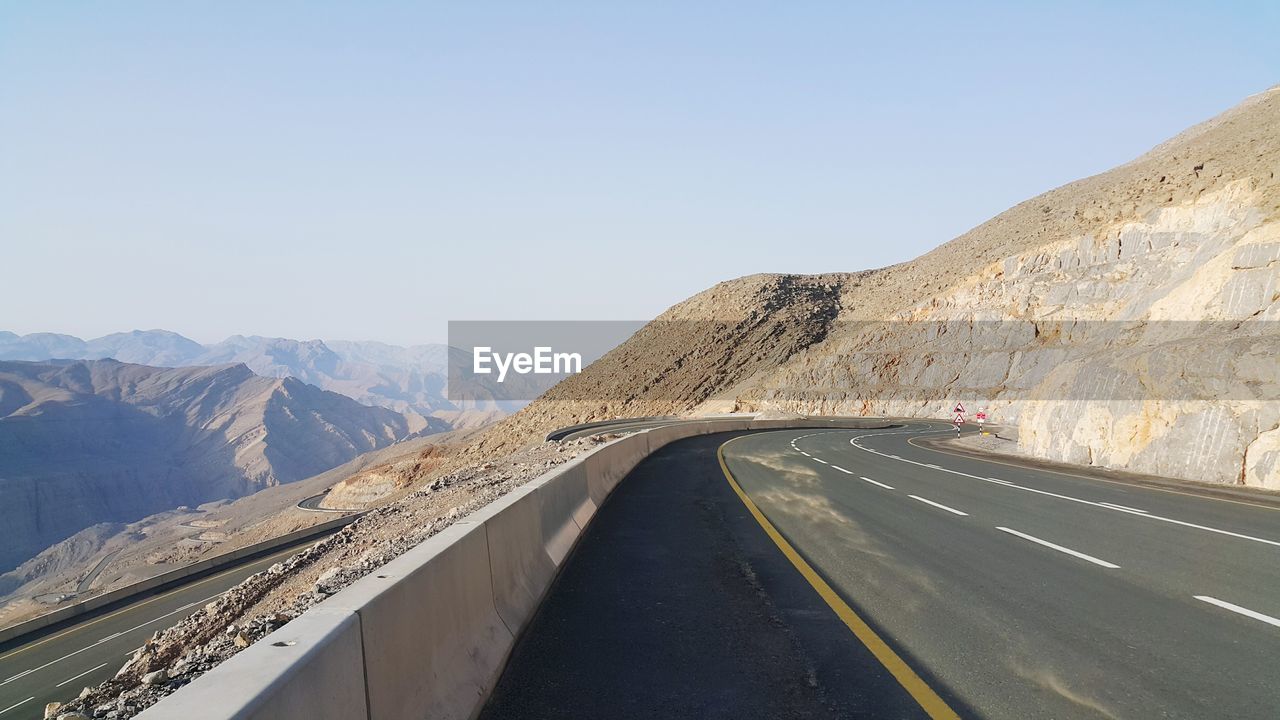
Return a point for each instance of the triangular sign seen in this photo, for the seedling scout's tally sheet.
(959, 408)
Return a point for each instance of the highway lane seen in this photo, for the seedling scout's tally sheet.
(57, 666)
(1051, 595)
(1012, 592)
(674, 604)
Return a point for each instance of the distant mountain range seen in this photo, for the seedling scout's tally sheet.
(409, 380)
(92, 441)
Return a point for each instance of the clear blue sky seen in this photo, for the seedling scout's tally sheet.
(371, 170)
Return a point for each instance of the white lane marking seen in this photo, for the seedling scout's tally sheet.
(86, 672)
(1135, 513)
(846, 472)
(1059, 548)
(824, 462)
(931, 465)
(805, 454)
(24, 673)
(927, 501)
(1002, 482)
(1122, 507)
(876, 482)
(1242, 610)
(24, 702)
(112, 637)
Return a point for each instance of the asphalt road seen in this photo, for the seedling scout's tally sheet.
(611, 426)
(57, 666)
(954, 586)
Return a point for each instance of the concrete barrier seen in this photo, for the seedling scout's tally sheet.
(520, 566)
(309, 668)
(433, 640)
(434, 626)
(170, 577)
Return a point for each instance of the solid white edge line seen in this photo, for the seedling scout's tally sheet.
(1059, 548)
(876, 482)
(86, 672)
(24, 702)
(1241, 610)
(938, 505)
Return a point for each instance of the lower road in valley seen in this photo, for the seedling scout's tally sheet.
(55, 667)
(865, 573)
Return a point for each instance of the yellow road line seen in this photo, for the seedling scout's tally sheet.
(919, 690)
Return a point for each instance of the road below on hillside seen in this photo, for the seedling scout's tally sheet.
(57, 666)
(902, 581)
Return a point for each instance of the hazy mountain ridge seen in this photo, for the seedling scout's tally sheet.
(409, 380)
(96, 441)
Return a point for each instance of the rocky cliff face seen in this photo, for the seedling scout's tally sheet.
(1128, 319)
(101, 441)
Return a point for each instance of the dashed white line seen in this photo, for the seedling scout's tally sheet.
(818, 459)
(24, 673)
(846, 472)
(1059, 548)
(938, 505)
(24, 702)
(86, 672)
(1122, 507)
(1115, 508)
(1241, 610)
(805, 454)
(876, 482)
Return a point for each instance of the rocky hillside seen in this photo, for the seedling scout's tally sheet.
(1127, 319)
(87, 442)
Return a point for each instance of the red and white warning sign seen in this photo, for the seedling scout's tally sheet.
(958, 419)
(982, 415)
(959, 408)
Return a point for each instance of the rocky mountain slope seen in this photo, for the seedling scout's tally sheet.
(1127, 319)
(87, 442)
(409, 380)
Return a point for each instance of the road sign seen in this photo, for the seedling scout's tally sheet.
(958, 419)
(982, 415)
(959, 408)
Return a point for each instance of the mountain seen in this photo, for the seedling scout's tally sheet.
(1124, 320)
(409, 380)
(100, 441)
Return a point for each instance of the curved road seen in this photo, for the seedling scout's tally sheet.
(902, 581)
